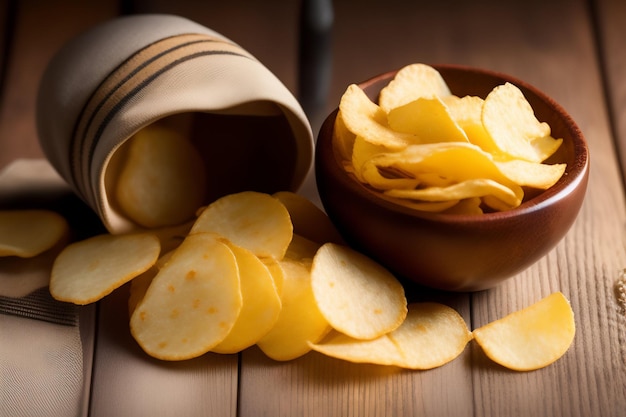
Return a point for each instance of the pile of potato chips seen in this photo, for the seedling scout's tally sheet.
(270, 270)
(428, 149)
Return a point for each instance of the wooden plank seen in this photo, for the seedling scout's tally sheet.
(41, 28)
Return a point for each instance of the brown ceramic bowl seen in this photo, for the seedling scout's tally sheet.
(448, 251)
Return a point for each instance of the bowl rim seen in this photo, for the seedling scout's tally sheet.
(576, 173)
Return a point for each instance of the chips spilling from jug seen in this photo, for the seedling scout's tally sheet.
(430, 150)
(250, 270)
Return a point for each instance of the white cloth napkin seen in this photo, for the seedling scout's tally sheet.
(41, 363)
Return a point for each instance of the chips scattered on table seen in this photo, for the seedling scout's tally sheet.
(423, 147)
(432, 335)
(28, 233)
(531, 338)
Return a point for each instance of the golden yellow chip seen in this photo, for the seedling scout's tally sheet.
(300, 321)
(410, 83)
(511, 123)
(162, 180)
(192, 303)
(379, 351)
(531, 338)
(302, 249)
(139, 285)
(27, 233)
(431, 336)
(308, 219)
(508, 198)
(531, 174)
(260, 303)
(427, 118)
(253, 220)
(364, 118)
(467, 112)
(356, 295)
(88, 270)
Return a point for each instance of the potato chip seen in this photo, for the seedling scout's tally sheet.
(139, 285)
(427, 118)
(192, 303)
(410, 83)
(162, 179)
(28, 233)
(308, 219)
(531, 174)
(364, 118)
(299, 321)
(511, 123)
(531, 338)
(379, 351)
(356, 295)
(506, 197)
(277, 272)
(362, 152)
(302, 249)
(88, 270)
(260, 303)
(431, 336)
(253, 220)
(467, 112)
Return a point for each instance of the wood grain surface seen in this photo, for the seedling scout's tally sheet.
(573, 50)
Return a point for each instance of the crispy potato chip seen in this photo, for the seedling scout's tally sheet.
(356, 295)
(531, 174)
(364, 118)
(261, 303)
(28, 233)
(379, 351)
(192, 303)
(410, 83)
(308, 219)
(511, 123)
(466, 206)
(431, 336)
(162, 179)
(507, 197)
(88, 270)
(302, 249)
(467, 112)
(139, 285)
(362, 152)
(277, 272)
(253, 220)
(531, 338)
(299, 321)
(427, 118)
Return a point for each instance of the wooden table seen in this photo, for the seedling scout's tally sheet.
(572, 49)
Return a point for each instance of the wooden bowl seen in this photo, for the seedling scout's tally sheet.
(448, 251)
